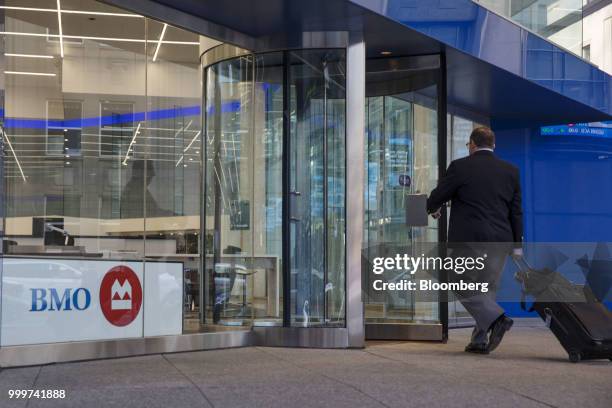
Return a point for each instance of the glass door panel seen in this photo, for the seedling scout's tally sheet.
(401, 161)
(244, 135)
(316, 187)
(229, 161)
(275, 190)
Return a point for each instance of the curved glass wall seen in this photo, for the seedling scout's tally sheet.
(274, 190)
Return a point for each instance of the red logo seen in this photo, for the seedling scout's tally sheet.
(120, 295)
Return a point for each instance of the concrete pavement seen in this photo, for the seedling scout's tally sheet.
(530, 369)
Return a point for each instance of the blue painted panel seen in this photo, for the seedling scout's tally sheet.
(567, 188)
(567, 192)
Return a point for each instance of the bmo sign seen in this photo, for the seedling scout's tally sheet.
(120, 296)
(67, 300)
(57, 300)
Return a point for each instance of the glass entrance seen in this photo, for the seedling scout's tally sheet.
(275, 190)
(402, 162)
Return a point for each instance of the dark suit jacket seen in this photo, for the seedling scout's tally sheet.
(485, 195)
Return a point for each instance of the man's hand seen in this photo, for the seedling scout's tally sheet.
(437, 214)
(517, 253)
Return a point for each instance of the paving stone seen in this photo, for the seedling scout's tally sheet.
(529, 369)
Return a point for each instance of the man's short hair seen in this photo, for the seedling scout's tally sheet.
(483, 137)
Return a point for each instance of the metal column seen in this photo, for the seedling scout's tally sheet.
(355, 150)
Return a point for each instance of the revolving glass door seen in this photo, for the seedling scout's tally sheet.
(274, 212)
(403, 136)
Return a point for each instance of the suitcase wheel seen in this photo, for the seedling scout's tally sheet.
(574, 356)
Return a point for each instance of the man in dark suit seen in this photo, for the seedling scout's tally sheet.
(485, 195)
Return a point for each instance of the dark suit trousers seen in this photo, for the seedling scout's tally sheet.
(482, 306)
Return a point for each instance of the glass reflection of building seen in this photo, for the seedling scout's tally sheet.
(560, 21)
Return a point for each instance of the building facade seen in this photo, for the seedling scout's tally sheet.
(190, 175)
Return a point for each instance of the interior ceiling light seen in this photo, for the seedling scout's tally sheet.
(28, 55)
(96, 13)
(59, 24)
(83, 37)
(386, 53)
(159, 42)
(188, 147)
(28, 73)
(131, 143)
(192, 140)
(178, 42)
(14, 154)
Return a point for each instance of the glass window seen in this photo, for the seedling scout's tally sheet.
(65, 176)
(104, 124)
(560, 21)
(168, 148)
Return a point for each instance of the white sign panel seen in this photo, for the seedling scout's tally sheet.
(163, 303)
(58, 300)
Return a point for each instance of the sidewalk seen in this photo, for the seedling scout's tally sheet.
(530, 369)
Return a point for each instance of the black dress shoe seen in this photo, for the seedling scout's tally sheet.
(478, 348)
(497, 331)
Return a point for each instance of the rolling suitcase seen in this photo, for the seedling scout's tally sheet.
(581, 323)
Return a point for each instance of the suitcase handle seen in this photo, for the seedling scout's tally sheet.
(521, 263)
(523, 269)
(548, 319)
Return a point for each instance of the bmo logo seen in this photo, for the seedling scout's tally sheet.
(120, 296)
(53, 300)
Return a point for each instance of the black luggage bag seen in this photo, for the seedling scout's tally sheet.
(581, 323)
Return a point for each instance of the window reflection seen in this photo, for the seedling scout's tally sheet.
(105, 127)
(560, 21)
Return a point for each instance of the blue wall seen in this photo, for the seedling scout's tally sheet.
(567, 194)
(567, 184)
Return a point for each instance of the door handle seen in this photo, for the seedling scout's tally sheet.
(296, 193)
(293, 219)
